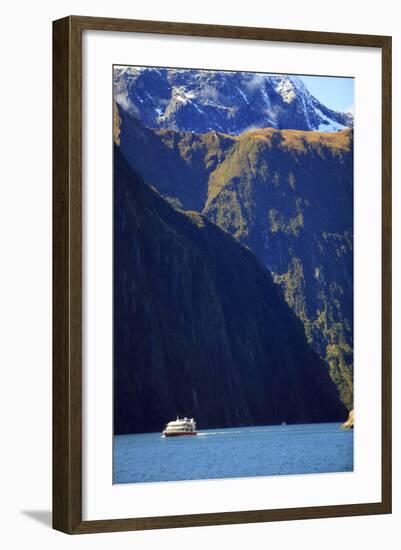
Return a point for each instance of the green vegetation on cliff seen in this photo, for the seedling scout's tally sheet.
(288, 197)
(200, 327)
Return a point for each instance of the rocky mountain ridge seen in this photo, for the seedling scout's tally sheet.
(228, 102)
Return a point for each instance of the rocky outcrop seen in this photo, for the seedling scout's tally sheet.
(200, 328)
(349, 424)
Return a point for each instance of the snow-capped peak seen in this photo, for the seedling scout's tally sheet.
(198, 100)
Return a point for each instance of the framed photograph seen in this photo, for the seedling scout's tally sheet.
(222, 274)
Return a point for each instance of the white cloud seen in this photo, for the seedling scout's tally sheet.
(210, 92)
(254, 82)
(126, 104)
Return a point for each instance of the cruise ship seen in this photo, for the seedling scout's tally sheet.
(180, 426)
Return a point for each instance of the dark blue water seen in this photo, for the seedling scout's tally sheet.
(234, 452)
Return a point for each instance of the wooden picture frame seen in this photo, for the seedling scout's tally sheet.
(67, 274)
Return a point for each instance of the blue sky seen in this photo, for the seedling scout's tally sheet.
(334, 92)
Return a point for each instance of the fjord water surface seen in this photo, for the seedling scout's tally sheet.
(233, 452)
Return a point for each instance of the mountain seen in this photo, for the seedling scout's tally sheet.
(229, 102)
(287, 196)
(200, 328)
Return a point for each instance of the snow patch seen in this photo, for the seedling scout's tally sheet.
(330, 126)
(265, 96)
(150, 97)
(327, 124)
(243, 95)
(286, 89)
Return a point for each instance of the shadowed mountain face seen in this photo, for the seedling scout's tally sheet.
(287, 195)
(200, 328)
(229, 102)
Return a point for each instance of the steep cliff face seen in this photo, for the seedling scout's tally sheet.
(287, 195)
(200, 328)
(177, 164)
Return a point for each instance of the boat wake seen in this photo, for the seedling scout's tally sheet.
(204, 434)
(230, 431)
